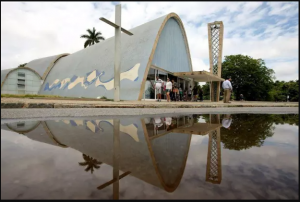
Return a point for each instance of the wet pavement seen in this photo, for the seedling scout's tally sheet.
(205, 156)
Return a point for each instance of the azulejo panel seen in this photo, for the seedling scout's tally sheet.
(93, 77)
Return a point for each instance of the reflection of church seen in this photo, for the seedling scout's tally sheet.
(154, 153)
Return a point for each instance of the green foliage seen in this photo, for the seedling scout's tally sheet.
(250, 77)
(28, 96)
(246, 131)
(22, 65)
(291, 119)
(206, 91)
(250, 130)
(281, 89)
(92, 37)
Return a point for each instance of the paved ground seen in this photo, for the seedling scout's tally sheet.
(108, 112)
(42, 103)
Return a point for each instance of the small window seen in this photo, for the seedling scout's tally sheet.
(21, 74)
(21, 80)
(20, 125)
(21, 86)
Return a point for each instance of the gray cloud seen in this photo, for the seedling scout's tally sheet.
(39, 29)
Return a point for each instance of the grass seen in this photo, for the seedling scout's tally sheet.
(29, 96)
(32, 96)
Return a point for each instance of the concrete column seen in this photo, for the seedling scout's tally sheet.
(117, 53)
(215, 86)
(214, 164)
(116, 158)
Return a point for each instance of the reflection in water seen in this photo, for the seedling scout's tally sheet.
(154, 150)
(91, 163)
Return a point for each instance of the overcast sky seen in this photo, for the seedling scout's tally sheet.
(267, 30)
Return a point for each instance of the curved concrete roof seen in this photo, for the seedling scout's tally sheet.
(4, 73)
(97, 63)
(40, 66)
(148, 160)
(43, 65)
(8, 71)
(93, 67)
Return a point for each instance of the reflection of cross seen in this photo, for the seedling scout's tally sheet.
(118, 29)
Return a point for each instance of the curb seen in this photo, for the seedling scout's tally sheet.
(52, 105)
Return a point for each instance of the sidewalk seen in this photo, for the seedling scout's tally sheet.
(52, 103)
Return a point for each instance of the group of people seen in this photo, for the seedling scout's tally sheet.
(158, 122)
(169, 122)
(175, 92)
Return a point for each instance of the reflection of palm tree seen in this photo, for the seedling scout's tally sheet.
(91, 163)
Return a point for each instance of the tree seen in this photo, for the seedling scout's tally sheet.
(250, 77)
(92, 38)
(206, 91)
(291, 119)
(22, 65)
(90, 162)
(251, 130)
(282, 89)
(246, 131)
(293, 91)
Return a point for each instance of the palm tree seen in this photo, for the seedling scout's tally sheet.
(92, 38)
(90, 162)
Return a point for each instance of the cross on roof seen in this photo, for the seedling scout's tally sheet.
(118, 29)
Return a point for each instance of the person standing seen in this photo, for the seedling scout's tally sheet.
(190, 93)
(195, 93)
(168, 89)
(168, 121)
(227, 90)
(226, 122)
(173, 93)
(180, 94)
(201, 95)
(158, 122)
(185, 96)
(242, 97)
(158, 86)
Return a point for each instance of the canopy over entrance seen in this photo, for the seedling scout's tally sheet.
(192, 129)
(197, 129)
(199, 76)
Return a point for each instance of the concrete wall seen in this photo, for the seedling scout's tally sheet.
(171, 53)
(95, 138)
(149, 160)
(4, 73)
(32, 83)
(170, 152)
(90, 72)
(23, 126)
(40, 65)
